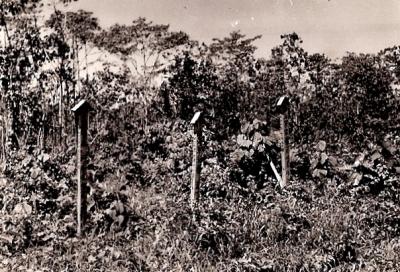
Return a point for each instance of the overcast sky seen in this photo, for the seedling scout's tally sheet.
(331, 27)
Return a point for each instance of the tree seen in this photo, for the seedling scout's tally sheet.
(390, 58)
(284, 74)
(235, 53)
(367, 92)
(289, 61)
(234, 59)
(69, 33)
(58, 53)
(24, 81)
(192, 86)
(82, 28)
(216, 80)
(74, 30)
(143, 45)
(20, 59)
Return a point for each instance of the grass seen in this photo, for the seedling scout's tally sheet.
(284, 234)
(313, 225)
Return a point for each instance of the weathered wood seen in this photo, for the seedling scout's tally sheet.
(284, 152)
(283, 105)
(2, 145)
(196, 163)
(61, 118)
(81, 111)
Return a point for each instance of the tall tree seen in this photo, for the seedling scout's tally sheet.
(70, 33)
(20, 59)
(143, 45)
(234, 59)
(367, 92)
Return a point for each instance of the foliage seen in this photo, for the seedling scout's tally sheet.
(144, 44)
(338, 213)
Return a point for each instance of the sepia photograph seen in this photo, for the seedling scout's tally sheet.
(200, 135)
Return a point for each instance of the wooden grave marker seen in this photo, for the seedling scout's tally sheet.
(283, 107)
(81, 111)
(197, 126)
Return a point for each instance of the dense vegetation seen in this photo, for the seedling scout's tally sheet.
(340, 211)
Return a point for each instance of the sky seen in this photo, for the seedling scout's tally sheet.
(333, 27)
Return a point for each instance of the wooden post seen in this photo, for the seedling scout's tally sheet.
(2, 146)
(61, 118)
(282, 105)
(196, 163)
(284, 152)
(81, 111)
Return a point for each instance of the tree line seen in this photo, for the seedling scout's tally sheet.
(152, 74)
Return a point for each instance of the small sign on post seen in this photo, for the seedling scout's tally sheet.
(81, 111)
(283, 107)
(197, 126)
